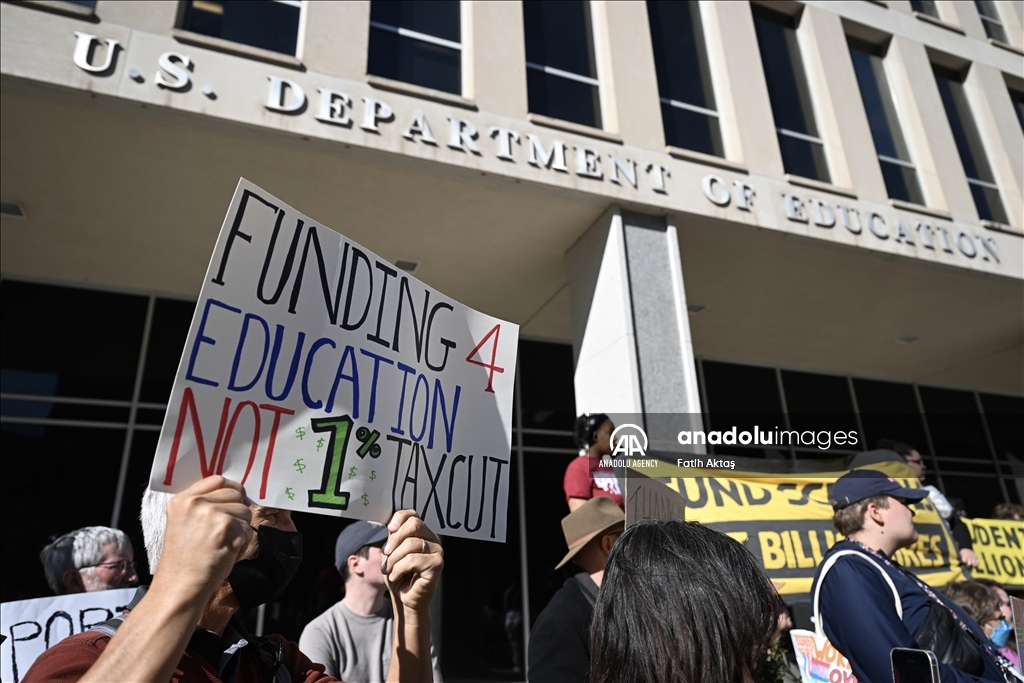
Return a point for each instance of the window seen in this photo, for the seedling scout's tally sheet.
(803, 152)
(268, 24)
(417, 42)
(990, 20)
(561, 71)
(925, 7)
(968, 143)
(1017, 98)
(893, 156)
(684, 80)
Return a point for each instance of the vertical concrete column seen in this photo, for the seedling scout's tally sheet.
(337, 38)
(633, 86)
(631, 335)
(927, 129)
(741, 92)
(496, 46)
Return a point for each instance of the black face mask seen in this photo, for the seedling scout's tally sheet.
(260, 579)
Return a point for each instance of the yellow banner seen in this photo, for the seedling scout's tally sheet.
(999, 545)
(786, 520)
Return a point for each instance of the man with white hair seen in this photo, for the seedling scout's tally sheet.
(213, 553)
(93, 558)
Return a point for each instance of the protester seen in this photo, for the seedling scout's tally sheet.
(560, 640)
(1007, 612)
(982, 603)
(212, 554)
(93, 558)
(586, 477)
(869, 604)
(681, 602)
(1008, 511)
(353, 638)
(961, 534)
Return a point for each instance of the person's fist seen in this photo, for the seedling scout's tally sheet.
(207, 530)
(413, 560)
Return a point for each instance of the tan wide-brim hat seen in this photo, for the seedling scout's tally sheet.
(595, 517)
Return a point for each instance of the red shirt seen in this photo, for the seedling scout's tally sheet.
(69, 659)
(581, 482)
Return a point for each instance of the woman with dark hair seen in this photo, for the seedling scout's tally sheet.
(586, 477)
(681, 603)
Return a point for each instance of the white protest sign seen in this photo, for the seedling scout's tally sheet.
(326, 380)
(34, 626)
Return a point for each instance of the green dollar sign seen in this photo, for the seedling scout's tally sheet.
(366, 500)
(352, 472)
(300, 432)
(373, 474)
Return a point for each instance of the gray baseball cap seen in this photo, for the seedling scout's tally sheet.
(355, 536)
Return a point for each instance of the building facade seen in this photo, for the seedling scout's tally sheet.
(782, 209)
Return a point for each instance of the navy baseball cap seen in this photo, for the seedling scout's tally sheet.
(356, 535)
(860, 484)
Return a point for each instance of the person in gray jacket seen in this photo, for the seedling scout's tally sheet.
(352, 638)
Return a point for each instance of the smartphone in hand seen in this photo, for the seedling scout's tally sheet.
(914, 666)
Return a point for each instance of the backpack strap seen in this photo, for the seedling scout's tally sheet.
(110, 626)
(819, 626)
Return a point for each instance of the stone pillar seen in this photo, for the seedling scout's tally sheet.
(631, 336)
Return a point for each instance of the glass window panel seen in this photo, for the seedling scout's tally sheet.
(558, 35)
(968, 143)
(803, 158)
(789, 94)
(990, 20)
(878, 103)
(680, 56)
(91, 4)
(548, 392)
(1017, 98)
(925, 7)
(990, 206)
(107, 329)
(742, 396)
(1005, 415)
(783, 69)
(819, 402)
(955, 424)
(83, 481)
(562, 98)
(140, 463)
(889, 411)
(692, 130)
(979, 493)
(414, 61)
(438, 18)
(901, 182)
(167, 336)
(261, 23)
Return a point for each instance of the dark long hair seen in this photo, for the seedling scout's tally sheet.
(680, 603)
(586, 425)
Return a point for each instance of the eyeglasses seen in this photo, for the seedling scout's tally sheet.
(120, 567)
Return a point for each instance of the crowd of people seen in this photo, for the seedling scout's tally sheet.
(671, 601)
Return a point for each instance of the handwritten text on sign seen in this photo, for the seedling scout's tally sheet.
(326, 380)
(34, 626)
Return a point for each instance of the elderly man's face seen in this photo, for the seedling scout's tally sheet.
(115, 570)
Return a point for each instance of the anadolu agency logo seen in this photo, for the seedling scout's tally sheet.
(629, 441)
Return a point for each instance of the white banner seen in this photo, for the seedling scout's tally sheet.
(34, 626)
(327, 380)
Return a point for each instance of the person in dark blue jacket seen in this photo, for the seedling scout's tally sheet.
(868, 603)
